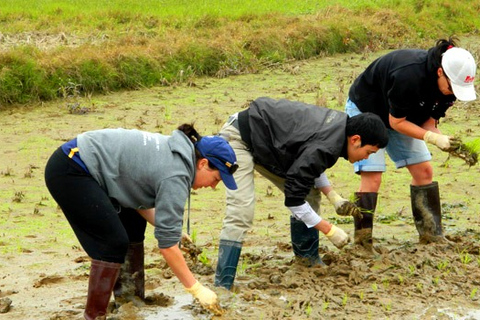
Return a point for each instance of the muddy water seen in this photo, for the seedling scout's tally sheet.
(397, 281)
(177, 311)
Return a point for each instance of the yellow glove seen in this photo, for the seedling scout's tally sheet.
(207, 298)
(342, 206)
(338, 237)
(445, 143)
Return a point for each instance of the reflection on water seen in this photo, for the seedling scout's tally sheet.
(467, 314)
(457, 313)
(173, 312)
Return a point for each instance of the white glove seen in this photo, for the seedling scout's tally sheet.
(342, 206)
(207, 298)
(338, 237)
(445, 143)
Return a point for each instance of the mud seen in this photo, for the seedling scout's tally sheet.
(398, 281)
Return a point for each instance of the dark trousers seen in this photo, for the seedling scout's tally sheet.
(103, 228)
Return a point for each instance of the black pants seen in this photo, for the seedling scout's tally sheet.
(103, 228)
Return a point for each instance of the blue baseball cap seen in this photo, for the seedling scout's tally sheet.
(220, 154)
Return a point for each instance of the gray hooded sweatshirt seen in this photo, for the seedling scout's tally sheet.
(143, 170)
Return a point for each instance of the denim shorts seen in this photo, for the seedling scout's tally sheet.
(402, 149)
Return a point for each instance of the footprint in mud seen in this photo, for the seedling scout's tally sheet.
(48, 280)
(159, 299)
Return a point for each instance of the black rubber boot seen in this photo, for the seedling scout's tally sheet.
(304, 243)
(131, 281)
(228, 255)
(100, 285)
(427, 212)
(367, 202)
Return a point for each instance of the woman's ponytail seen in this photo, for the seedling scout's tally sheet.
(193, 135)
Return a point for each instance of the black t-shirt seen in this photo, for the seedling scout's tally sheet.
(402, 83)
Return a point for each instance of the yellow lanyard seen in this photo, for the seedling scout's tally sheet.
(72, 152)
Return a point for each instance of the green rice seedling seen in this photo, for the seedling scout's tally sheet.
(345, 299)
(202, 257)
(353, 198)
(387, 306)
(242, 267)
(168, 113)
(386, 283)
(400, 279)
(387, 219)
(411, 270)
(419, 287)
(442, 265)
(325, 305)
(465, 257)
(308, 309)
(374, 287)
(473, 293)
(467, 151)
(193, 236)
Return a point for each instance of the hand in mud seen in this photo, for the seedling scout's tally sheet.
(207, 298)
(215, 308)
(338, 237)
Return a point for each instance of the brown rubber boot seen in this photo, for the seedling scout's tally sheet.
(131, 281)
(427, 212)
(367, 202)
(100, 285)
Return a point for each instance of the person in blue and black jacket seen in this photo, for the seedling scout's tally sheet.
(110, 182)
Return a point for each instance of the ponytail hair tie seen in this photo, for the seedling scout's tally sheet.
(449, 47)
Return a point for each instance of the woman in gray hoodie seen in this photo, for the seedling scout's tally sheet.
(110, 182)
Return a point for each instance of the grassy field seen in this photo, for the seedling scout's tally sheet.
(55, 49)
(65, 9)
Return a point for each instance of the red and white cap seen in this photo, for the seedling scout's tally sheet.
(460, 67)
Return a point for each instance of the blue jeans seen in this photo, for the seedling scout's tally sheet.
(402, 149)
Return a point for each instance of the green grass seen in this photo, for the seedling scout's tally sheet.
(49, 47)
(183, 8)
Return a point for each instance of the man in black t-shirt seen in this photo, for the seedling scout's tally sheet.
(410, 90)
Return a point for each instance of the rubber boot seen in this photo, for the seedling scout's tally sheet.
(304, 243)
(427, 212)
(228, 255)
(131, 281)
(100, 285)
(367, 202)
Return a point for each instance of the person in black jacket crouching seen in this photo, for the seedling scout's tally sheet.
(292, 144)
